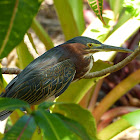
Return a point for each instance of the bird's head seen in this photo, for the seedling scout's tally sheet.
(93, 46)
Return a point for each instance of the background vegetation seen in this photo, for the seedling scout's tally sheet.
(75, 114)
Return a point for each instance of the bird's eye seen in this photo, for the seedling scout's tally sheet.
(89, 45)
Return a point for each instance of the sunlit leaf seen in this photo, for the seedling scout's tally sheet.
(133, 118)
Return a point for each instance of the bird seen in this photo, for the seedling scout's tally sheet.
(50, 74)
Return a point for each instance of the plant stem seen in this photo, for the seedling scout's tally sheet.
(123, 87)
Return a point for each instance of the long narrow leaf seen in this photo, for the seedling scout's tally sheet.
(66, 18)
(43, 36)
(77, 9)
(24, 55)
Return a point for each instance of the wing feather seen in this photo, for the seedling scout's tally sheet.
(43, 82)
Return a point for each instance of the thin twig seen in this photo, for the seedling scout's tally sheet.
(10, 70)
(114, 67)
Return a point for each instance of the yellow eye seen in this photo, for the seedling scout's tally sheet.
(89, 45)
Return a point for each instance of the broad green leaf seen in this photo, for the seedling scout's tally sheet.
(66, 18)
(75, 127)
(133, 118)
(53, 127)
(41, 33)
(97, 7)
(77, 113)
(23, 129)
(12, 104)
(24, 55)
(15, 19)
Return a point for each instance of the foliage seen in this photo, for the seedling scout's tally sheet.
(66, 119)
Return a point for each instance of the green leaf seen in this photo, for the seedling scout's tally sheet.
(12, 104)
(77, 113)
(37, 135)
(46, 105)
(1, 136)
(24, 55)
(113, 129)
(77, 9)
(53, 127)
(23, 129)
(97, 7)
(15, 19)
(75, 127)
(116, 6)
(133, 118)
(66, 18)
(41, 33)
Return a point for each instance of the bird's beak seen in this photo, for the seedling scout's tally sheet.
(106, 48)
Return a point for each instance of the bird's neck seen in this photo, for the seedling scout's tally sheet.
(82, 61)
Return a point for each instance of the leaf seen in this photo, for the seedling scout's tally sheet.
(75, 127)
(23, 129)
(15, 19)
(41, 33)
(12, 104)
(1, 136)
(133, 118)
(76, 91)
(24, 55)
(116, 6)
(16, 115)
(77, 113)
(77, 9)
(37, 135)
(97, 7)
(52, 126)
(113, 129)
(66, 18)
(46, 105)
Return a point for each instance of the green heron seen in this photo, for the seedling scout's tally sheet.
(51, 73)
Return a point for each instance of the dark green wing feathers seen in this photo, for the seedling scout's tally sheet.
(40, 84)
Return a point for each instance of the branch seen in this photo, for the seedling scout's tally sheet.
(10, 70)
(114, 67)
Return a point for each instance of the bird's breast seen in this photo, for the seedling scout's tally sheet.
(83, 67)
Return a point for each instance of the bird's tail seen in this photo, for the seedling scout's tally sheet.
(4, 114)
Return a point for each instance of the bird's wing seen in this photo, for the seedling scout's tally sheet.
(42, 83)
